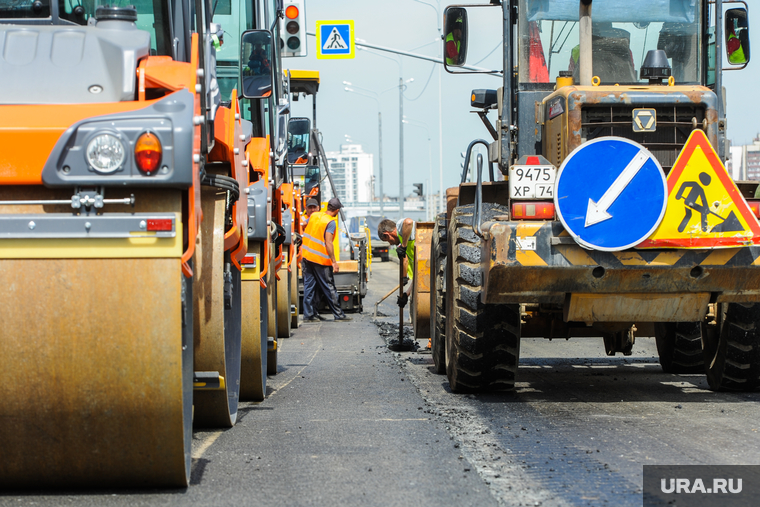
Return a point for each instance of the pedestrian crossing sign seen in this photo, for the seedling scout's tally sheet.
(335, 39)
(704, 207)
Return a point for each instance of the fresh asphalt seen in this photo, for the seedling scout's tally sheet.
(346, 422)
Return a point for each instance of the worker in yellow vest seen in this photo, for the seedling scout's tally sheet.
(319, 263)
(402, 235)
(453, 44)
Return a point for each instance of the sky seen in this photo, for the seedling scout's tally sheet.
(411, 25)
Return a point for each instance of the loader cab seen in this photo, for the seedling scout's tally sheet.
(152, 17)
(626, 37)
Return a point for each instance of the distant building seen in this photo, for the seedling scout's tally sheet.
(744, 162)
(352, 173)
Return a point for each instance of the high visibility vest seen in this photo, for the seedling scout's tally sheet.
(409, 247)
(314, 248)
(410, 259)
(737, 55)
(450, 38)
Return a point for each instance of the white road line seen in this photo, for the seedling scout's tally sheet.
(197, 453)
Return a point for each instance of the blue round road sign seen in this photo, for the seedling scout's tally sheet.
(610, 194)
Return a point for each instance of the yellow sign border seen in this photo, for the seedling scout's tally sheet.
(351, 41)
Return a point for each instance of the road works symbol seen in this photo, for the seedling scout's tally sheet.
(610, 194)
(704, 207)
(335, 39)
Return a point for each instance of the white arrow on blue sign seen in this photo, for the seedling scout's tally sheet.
(610, 194)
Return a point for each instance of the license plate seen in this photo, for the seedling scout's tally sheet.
(532, 181)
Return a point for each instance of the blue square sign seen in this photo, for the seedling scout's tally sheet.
(335, 39)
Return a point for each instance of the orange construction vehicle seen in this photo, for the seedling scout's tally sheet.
(138, 240)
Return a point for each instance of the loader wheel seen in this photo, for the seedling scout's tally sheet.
(438, 295)
(218, 319)
(679, 345)
(294, 299)
(283, 302)
(271, 282)
(253, 369)
(731, 347)
(482, 341)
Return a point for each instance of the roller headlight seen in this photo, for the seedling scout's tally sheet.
(105, 153)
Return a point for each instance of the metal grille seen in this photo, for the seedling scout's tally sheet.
(674, 124)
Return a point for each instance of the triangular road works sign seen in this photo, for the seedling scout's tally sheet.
(334, 41)
(704, 208)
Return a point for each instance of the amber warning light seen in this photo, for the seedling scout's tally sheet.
(533, 210)
(148, 153)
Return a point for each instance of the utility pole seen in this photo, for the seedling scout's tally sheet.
(401, 147)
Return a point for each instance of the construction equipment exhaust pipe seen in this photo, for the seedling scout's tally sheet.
(585, 57)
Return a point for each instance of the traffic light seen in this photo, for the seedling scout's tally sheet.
(418, 189)
(293, 29)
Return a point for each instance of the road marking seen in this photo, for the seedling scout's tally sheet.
(370, 420)
(298, 373)
(209, 441)
(206, 444)
(597, 211)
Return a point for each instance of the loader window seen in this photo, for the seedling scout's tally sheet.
(19, 9)
(152, 16)
(622, 34)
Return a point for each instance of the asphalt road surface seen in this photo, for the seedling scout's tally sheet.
(347, 422)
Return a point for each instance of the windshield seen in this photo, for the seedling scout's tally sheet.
(623, 31)
(152, 15)
(24, 9)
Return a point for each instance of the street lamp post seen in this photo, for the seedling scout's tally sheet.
(379, 138)
(401, 148)
(423, 125)
(401, 86)
(437, 9)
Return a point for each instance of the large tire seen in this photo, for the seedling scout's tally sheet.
(294, 299)
(217, 320)
(272, 360)
(283, 301)
(438, 251)
(679, 345)
(732, 347)
(253, 369)
(271, 282)
(482, 341)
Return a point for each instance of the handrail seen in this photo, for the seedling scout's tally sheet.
(467, 160)
(478, 198)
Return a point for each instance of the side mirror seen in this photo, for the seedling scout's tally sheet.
(298, 141)
(455, 37)
(737, 36)
(256, 64)
(280, 140)
(311, 181)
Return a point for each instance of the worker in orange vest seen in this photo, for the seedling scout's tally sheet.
(319, 263)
